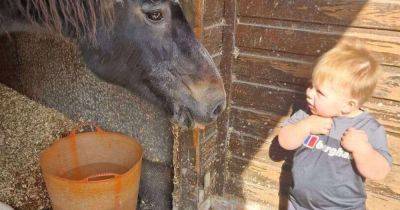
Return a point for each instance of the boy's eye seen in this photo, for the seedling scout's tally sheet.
(320, 93)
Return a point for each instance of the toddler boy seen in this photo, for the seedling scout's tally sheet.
(337, 143)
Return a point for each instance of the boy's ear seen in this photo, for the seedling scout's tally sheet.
(353, 103)
(350, 106)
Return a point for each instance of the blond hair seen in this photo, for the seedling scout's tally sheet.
(350, 67)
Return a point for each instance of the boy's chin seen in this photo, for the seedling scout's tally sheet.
(315, 112)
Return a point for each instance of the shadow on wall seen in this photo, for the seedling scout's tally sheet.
(277, 47)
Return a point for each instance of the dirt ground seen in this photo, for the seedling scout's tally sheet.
(26, 128)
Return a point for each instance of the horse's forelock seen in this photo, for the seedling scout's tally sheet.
(79, 17)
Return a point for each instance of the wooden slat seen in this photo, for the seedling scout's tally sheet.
(229, 14)
(261, 173)
(390, 186)
(394, 147)
(209, 150)
(213, 10)
(367, 14)
(198, 15)
(387, 112)
(209, 181)
(265, 98)
(213, 39)
(185, 177)
(294, 72)
(211, 128)
(217, 59)
(376, 201)
(389, 84)
(270, 68)
(254, 123)
(248, 148)
(313, 40)
(253, 192)
(188, 7)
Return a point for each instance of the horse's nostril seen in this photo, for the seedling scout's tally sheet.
(218, 109)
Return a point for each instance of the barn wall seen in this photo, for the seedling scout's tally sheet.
(275, 44)
(265, 50)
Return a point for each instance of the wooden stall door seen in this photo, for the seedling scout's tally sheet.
(199, 154)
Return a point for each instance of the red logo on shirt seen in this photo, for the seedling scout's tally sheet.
(311, 141)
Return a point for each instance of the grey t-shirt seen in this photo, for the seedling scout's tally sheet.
(324, 174)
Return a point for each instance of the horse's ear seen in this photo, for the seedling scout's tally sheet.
(188, 9)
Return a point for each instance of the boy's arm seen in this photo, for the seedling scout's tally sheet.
(291, 136)
(370, 163)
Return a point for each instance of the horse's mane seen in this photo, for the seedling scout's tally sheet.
(75, 18)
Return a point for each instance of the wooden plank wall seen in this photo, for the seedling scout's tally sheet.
(275, 45)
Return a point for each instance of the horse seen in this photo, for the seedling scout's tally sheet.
(144, 46)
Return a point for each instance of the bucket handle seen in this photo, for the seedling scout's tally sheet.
(83, 124)
(100, 177)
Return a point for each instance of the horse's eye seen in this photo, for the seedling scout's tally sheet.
(154, 16)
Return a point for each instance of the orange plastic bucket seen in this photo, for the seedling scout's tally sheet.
(93, 171)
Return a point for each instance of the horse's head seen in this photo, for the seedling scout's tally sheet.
(152, 49)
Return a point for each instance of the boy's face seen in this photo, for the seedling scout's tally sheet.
(327, 100)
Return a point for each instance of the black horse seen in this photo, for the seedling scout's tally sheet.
(145, 46)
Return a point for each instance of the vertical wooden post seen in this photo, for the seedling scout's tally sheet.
(198, 19)
(187, 150)
(198, 31)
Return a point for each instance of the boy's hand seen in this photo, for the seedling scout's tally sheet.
(318, 125)
(354, 140)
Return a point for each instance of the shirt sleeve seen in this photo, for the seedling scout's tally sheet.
(296, 117)
(378, 140)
